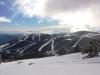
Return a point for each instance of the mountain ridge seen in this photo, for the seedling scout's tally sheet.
(35, 45)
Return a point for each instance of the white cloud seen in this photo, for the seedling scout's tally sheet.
(30, 8)
(4, 19)
(75, 13)
(2, 3)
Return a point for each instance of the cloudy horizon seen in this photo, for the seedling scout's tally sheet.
(50, 15)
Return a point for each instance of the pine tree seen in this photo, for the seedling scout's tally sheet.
(0, 59)
(61, 51)
(92, 49)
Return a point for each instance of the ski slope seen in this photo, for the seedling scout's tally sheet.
(71, 64)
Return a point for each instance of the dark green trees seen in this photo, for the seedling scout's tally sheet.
(61, 51)
(0, 59)
(92, 49)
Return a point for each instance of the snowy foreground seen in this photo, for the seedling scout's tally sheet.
(71, 64)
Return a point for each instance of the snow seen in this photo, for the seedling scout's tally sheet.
(69, 39)
(52, 46)
(78, 42)
(40, 49)
(4, 45)
(27, 46)
(71, 64)
(89, 35)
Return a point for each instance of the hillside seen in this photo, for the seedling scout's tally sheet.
(37, 45)
(71, 64)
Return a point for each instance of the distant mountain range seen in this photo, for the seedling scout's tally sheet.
(8, 36)
(34, 45)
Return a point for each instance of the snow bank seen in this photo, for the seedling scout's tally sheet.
(71, 64)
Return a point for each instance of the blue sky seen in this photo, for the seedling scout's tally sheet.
(8, 11)
(49, 15)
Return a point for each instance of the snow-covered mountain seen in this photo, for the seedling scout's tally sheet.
(34, 45)
(7, 37)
